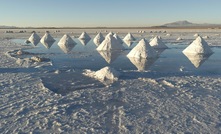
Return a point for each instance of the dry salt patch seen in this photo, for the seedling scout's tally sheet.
(98, 39)
(106, 75)
(110, 43)
(66, 43)
(34, 39)
(129, 37)
(142, 50)
(158, 43)
(28, 59)
(198, 46)
(47, 40)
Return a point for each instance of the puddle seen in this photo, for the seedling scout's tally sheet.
(84, 56)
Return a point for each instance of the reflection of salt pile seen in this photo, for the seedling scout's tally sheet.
(34, 39)
(141, 63)
(47, 40)
(110, 56)
(128, 43)
(98, 39)
(129, 37)
(198, 46)
(158, 43)
(118, 38)
(84, 36)
(84, 41)
(142, 50)
(110, 43)
(106, 75)
(197, 59)
(66, 43)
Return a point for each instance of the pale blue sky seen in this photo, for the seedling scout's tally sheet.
(107, 12)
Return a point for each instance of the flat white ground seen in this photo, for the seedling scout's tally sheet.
(135, 104)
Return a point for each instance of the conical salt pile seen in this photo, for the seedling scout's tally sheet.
(157, 43)
(84, 35)
(98, 39)
(107, 73)
(142, 50)
(47, 40)
(34, 39)
(198, 46)
(142, 64)
(110, 43)
(66, 43)
(196, 35)
(110, 33)
(118, 38)
(129, 37)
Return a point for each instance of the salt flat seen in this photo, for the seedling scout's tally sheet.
(139, 102)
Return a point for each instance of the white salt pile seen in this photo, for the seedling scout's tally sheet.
(98, 39)
(34, 39)
(110, 43)
(206, 37)
(118, 38)
(168, 35)
(47, 40)
(142, 50)
(198, 46)
(196, 35)
(179, 38)
(158, 43)
(66, 43)
(84, 36)
(129, 37)
(110, 33)
(106, 75)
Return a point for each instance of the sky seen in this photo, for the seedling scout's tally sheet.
(109, 13)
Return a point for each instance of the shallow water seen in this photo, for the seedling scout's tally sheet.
(170, 60)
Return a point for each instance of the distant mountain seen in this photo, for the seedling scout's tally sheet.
(5, 27)
(188, 24)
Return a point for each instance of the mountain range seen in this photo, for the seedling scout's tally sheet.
(189, 24)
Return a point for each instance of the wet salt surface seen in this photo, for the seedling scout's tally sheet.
(171, 62)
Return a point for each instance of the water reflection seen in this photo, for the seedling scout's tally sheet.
(142, 64)
(84, 41)
(48, 44)
(47, 40)
(197, 59)
(110, 56)
(66, 43)
(128, 42)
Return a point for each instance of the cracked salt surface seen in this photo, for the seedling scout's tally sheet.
(158, 99)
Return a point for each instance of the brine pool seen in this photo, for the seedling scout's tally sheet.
(170, 62)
